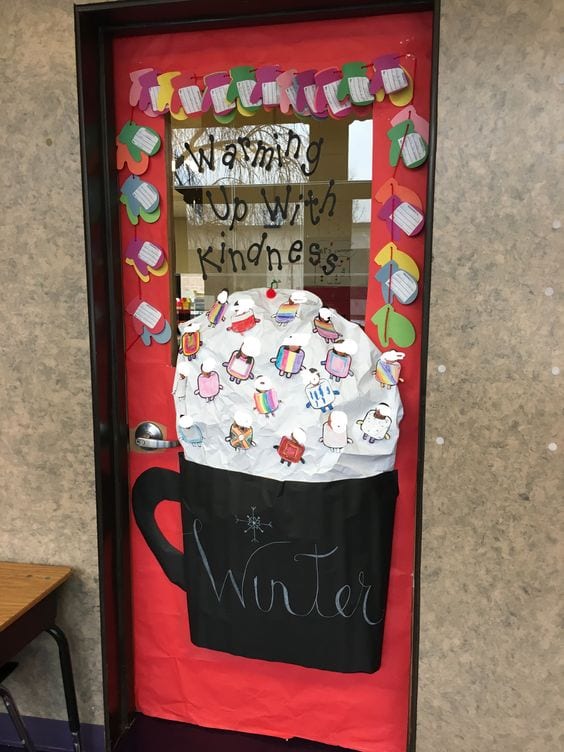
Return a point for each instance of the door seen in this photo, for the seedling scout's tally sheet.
(334, 201)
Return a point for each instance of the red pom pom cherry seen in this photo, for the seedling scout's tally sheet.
(271, 293)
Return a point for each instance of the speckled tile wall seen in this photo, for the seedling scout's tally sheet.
(47, 503)
(491, 576)
(492, 567)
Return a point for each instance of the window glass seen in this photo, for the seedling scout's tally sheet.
(272, 200)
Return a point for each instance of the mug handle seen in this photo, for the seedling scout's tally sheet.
(150, 488)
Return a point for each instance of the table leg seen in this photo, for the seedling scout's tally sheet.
(68, 684)
(16, 718)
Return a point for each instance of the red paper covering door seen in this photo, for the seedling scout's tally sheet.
(173, 678)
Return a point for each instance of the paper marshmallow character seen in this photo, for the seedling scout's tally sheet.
(216, 314)
(334, 432)
(288, 91)
(290, 356)
(266, 400)
(190, 341)
(189, 432)
(208, 381)
(291, 448)
(141, 199)
(267, 87)
(376, 423)
(355, 84)
(243, 317)
(319, 392)
(287, 312)
(242, 85)
(215, 94)
(186, 100)
(328, 81)
(241, 431)
(241, 363)
(339, 359)
(323, 326)
(388, 368)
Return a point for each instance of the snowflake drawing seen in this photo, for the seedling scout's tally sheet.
(254, 524)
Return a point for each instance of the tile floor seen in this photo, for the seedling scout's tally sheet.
(156, 735)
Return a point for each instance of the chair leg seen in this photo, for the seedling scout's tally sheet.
(68, 684)
(16, 718)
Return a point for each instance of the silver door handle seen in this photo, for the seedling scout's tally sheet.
(149, 436)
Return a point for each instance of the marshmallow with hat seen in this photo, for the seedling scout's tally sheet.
(339, 359)
(208, 385)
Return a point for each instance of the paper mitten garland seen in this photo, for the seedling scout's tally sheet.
(390, 78)
(355, 84)
(148, 322)
(215, 96)
(328, 81)
(144, 91)
(186, 98)
(401, 209)
(306, 90)
(393, 326)
(390, 252)
(267, 88)
(410, 113)
(397, 283)
(146, 258)
(243, 83)
(288, 91)
(135, 144)
(407, 144)
(141, 199)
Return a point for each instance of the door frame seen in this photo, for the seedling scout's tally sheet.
(95, 27)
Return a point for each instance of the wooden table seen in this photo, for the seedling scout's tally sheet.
(28, 606)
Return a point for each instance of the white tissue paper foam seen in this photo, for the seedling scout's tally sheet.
(258, 380)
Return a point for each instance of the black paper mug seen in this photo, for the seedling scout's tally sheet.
(283, 571)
